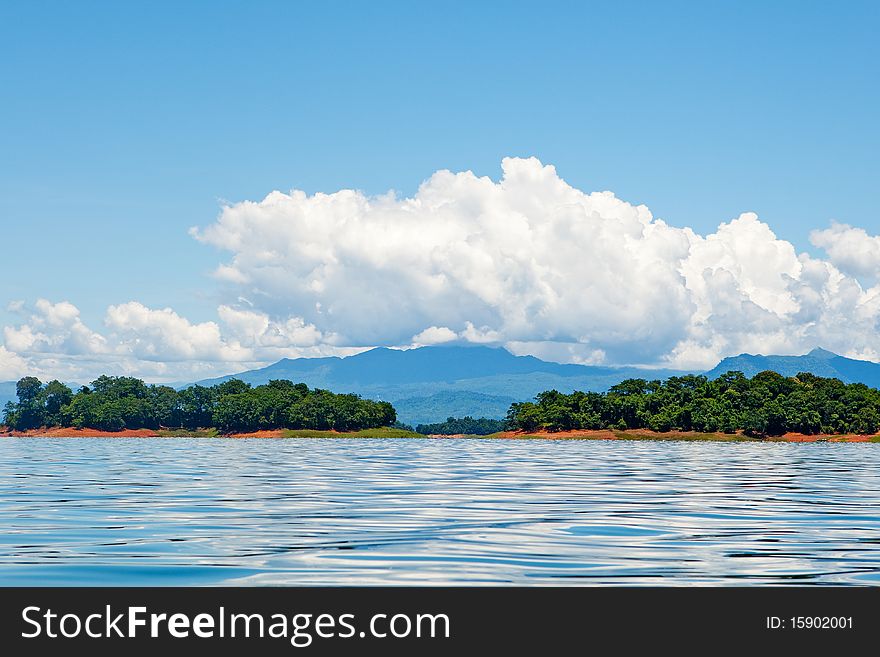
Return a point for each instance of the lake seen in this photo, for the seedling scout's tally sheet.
(211, 511)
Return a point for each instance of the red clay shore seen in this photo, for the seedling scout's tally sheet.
(70, 432)
(608, 434)
(61, 432)
(583, 434)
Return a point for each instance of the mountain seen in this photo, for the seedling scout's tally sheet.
(425, 364)
(819, 362)
(451, 403)
(429, 384)
(7, 394)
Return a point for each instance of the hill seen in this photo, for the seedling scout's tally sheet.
(451, 403)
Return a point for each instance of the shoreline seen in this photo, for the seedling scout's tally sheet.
(386, 432)
(682, 436)
(70, 432)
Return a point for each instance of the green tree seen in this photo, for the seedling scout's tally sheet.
(766, 404)
(55, 396)
(30, 412)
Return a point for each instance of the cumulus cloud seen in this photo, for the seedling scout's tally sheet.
(528, 262)
(164, 335)
(434, 335)
(12, 366)
(528, 258)
(542, 267)
(54, 328)
(257, 330)
(851, 249)
(52, 341)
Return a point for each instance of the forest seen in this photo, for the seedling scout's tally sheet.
(768, 404)
(113, 403)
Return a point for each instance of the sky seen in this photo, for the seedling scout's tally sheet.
(189, 189)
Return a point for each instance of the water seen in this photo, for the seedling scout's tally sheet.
(214, 511)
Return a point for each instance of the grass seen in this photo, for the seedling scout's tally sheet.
(627, 435)
(693, 436)
(381, 432)
(187, 433)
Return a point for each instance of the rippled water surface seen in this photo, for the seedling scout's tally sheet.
(312, 511)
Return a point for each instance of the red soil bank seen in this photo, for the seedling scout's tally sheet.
(606, 434)
(592, 434)
(60, 432)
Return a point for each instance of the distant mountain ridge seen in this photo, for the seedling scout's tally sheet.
(819, 362)
(7, 393)
(428, 384)
(423, 364)
(452, 403)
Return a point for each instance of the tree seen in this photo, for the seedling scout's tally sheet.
(465, 425)
(237, 412)
(163, 407)
(766, 404)
(10, 415)
(232, 387)
(55, 396)
(196, 405)
(29, 413)
(28, 389)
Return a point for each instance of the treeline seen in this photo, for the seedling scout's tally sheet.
(113, 403)
(462, 425)
(767, 404)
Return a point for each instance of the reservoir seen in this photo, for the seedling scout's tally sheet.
(212, 511)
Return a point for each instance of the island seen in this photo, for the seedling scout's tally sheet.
(731, 407)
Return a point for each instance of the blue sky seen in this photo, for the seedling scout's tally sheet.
(125, 124)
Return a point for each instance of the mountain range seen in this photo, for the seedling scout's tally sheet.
(7, 393)
(429, 384)
(819, 362)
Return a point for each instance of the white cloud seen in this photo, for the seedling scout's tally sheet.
(12, 366)
(164, 335)
(54, 328)
(158, 344)
(482, 335)
(256, 329)
(850, 249)
(528, 262)
(434, 335)
(529, 258)
(535, 263)
(560, 352)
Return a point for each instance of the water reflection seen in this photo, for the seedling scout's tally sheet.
(211, 511)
